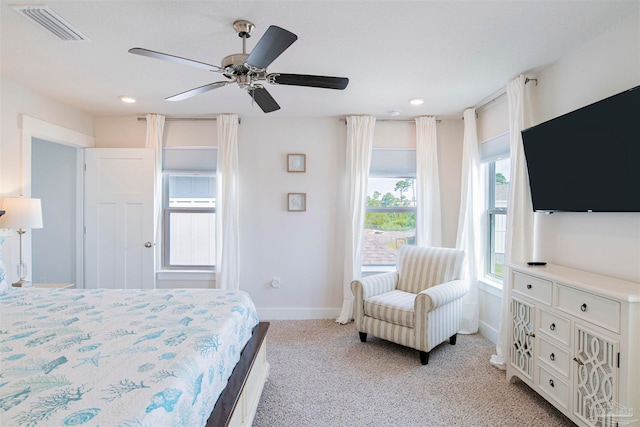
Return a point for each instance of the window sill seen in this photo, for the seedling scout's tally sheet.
(370, 270)
(185, 275)
(490, 286)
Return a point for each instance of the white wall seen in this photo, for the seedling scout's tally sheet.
(130, 132)
(303, 249)
(450, 137)
(605, 243)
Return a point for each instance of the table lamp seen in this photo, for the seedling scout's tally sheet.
(21, 213)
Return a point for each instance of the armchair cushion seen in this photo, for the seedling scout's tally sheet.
(420, 267)
(395, 307)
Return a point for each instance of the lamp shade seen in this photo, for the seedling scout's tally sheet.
(21, 212)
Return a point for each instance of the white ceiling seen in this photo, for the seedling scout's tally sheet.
(453, 54)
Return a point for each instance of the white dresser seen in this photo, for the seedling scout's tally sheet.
(575, 340)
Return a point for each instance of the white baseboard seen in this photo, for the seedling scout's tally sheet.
(488, 332)
(297, 313)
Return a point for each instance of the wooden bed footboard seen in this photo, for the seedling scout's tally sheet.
(238, 402)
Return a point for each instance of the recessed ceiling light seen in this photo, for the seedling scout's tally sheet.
(416, 101)
(127, 99)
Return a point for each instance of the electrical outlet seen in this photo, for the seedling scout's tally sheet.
(275, 282)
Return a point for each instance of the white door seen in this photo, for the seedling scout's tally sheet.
(119, 242)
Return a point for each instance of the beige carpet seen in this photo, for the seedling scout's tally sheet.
(322, 375)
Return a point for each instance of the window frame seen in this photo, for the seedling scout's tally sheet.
(166, 213)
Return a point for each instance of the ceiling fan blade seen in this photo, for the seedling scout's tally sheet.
(274, 41)
(174, 59)
(325, 82)
(264, 100)
(196, 91)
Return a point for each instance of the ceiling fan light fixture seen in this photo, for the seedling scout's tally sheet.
(128, 99)
(416, 101)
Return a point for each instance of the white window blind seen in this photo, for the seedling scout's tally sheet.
(392, 162)
(495, 148)
(190, 159)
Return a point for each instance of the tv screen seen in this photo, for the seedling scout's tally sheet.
(587, 160)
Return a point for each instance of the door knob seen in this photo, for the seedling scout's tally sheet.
(148, 245)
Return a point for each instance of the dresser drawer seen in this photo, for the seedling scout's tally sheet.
(592, 308)
(532, 287)
(554, 356)
(554, 326)
(555, 387)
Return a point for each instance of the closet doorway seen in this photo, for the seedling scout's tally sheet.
(55, 180)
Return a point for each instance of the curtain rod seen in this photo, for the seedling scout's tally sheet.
(187, 119)
(502, 93)
(343, 119)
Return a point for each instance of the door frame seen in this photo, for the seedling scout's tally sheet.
(35, 128)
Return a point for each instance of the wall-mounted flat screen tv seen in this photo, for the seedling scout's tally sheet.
(587, 160)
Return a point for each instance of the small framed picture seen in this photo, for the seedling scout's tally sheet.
(296, 162)
(297, 202)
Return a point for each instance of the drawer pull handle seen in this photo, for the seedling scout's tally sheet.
(532, 335)
(529, 286)
(583, 307)
(552, 357)
(552, 326)
(551, 383)
(578, 361)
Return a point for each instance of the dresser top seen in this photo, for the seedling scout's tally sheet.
(606, 286)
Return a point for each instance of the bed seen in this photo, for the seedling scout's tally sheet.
(180, 357)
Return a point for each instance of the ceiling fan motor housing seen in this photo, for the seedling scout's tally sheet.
(234, 64)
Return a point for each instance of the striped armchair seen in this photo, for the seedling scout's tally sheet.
(419, 305)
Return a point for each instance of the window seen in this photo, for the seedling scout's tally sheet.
(494, 153)
(390, 218)
(498, 191)
(189, 221)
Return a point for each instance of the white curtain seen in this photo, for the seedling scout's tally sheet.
(227, 205)
(470, 223)
(155, 132)
(359, 143)
(519, 239)
(428, 215)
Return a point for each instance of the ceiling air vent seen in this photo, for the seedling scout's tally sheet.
(52, 22)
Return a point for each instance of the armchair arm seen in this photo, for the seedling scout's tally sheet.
(437, 317)
(374, 285)
(440, 295)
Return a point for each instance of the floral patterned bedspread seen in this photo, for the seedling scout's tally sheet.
(108, 357)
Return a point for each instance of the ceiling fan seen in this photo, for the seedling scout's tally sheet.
(248, 71)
